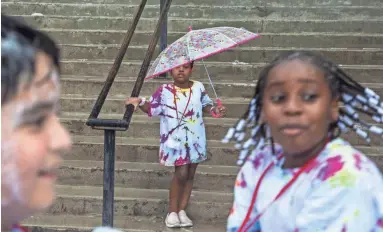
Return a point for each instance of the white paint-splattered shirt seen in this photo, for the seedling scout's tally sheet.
(182, 128)
(342, 191)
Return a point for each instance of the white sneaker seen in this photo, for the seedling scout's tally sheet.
(185, 220)
(172, 220)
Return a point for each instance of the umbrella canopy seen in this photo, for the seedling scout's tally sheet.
(198, 44)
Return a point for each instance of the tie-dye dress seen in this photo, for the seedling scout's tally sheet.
(342, 190)
(182, 128)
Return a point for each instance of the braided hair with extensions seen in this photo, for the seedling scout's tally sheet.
(251, 133)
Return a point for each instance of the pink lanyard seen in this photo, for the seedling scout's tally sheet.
(175, 103)
(283, 190)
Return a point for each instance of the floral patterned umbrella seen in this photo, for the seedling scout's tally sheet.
(198, 44)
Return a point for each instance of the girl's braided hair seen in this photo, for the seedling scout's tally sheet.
(249, 133)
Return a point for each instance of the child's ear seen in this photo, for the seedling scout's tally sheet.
(334, 109)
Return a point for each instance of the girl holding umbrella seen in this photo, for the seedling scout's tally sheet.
(181, 106)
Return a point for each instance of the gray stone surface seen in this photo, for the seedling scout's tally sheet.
(77, 223)
(85, 200)
(146, 150)
(312, 40)
(234, 71)
(186, 11)
(229, 90)
(145, 24)
(247, 3)
(372, 56)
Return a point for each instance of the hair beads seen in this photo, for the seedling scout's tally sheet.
(250, 133)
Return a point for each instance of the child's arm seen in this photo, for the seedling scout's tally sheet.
(220, 110)
(153, 107)
(138, 102)
(207, 109)
(207, 104)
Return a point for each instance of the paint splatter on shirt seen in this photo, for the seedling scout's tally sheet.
(182, 128)
(342, 191)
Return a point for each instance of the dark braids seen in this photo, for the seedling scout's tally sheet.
(250, 133)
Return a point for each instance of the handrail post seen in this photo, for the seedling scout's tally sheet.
(109, 159)
(164, 33)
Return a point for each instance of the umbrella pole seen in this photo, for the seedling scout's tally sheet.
(211, 82)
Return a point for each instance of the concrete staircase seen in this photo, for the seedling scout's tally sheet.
(349, 32)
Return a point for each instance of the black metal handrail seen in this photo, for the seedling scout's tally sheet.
(110, 126)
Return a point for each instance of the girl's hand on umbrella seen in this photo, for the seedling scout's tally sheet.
(220, 110)
(133, 101)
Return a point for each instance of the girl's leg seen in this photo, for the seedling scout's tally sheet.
(185, 195)
(179, 180)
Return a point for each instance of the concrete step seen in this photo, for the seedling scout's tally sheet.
(78, 86)
(143, 127)
(114, 106)
(145, 175)
(234, 2)
(76, 223)
(87, 200)
(225, 71)
(79, 96)
(309, 40)
(371, 56)
(185, 11)
(176, 24)
(93, 87)
(147, 150)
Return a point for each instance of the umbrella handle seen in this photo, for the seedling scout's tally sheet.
(219, 103)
